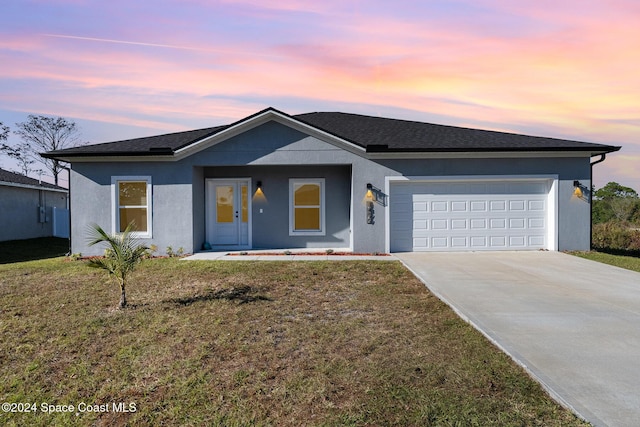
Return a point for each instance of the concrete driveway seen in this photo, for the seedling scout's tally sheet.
(573, 324)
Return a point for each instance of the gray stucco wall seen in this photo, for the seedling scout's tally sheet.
(172, 203)
(271, 216)
(19, 215)
(273, 153)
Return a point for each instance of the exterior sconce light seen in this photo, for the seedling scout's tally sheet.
(259, 196)
(369, 198)
(577, 189)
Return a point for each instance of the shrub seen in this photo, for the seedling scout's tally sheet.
(615, 235)
(122, 255)
(172, 254)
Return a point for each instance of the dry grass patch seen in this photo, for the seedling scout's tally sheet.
(253, 343)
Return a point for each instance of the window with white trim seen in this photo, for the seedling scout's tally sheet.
(306, 207)
(131, 201)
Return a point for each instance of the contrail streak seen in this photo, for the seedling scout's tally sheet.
(164, 46)
(93, 39)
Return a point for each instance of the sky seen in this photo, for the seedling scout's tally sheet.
(124, 69)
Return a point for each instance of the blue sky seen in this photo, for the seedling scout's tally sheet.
(124, 69)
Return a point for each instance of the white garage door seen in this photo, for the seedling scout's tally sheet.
(469, 215)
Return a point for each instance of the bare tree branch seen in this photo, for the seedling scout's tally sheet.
(41, 133)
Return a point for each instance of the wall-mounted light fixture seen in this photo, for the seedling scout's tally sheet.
(577, 189)
(259, 196)
(369, 198)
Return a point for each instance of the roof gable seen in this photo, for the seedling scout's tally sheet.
(353, 132)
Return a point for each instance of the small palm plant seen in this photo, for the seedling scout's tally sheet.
(122, 255)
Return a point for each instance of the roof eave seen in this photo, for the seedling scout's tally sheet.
(33, 187)
(70, 157)
(484, 154)
(380, 149)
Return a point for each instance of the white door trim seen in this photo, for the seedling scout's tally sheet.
(552, 198)
(209, 213)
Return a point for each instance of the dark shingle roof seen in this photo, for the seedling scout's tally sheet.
(16, 178)
(375, 134)
(150, 145)
(394, 135)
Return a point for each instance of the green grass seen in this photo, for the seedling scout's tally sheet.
(253, 343)
(630, 262)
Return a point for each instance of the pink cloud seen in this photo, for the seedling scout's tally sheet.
(283, 5)
(564, 69)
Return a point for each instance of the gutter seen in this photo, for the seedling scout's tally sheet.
(602, 157)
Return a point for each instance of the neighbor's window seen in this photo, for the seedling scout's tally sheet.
(306, 207)
(132, 197)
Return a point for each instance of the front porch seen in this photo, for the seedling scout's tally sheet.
(271, 207)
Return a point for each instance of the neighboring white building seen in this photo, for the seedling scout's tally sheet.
(30, 208)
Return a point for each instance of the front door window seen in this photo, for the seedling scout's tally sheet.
(225, 203)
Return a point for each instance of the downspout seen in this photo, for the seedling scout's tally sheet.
(602, 157)
(69, 205)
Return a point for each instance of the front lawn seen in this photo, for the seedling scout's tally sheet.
(629, 262)
(251, 343)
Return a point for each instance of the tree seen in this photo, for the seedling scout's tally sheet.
(19, 152)
(614, 201)
(4, 132)
(41, 133)
(5, 148)
(122, 256)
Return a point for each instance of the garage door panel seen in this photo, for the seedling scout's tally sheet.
(459, 206)
(439, 224)
(420, 206)
(459, 224)
(460, 242)
(537, 223)
(439, 206)
(536, 205)
(469, 216)
(497, 205)
(420, 224)
(478, 242)
(478, 223)
(518, 242)
(478, 206)
(497, 223)
(517, 205)
(536, 241)
(439, 242)
(498, 241)
(516, 223)
(421, 242)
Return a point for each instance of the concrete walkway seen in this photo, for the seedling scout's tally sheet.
(573, 324)
(294, 255)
